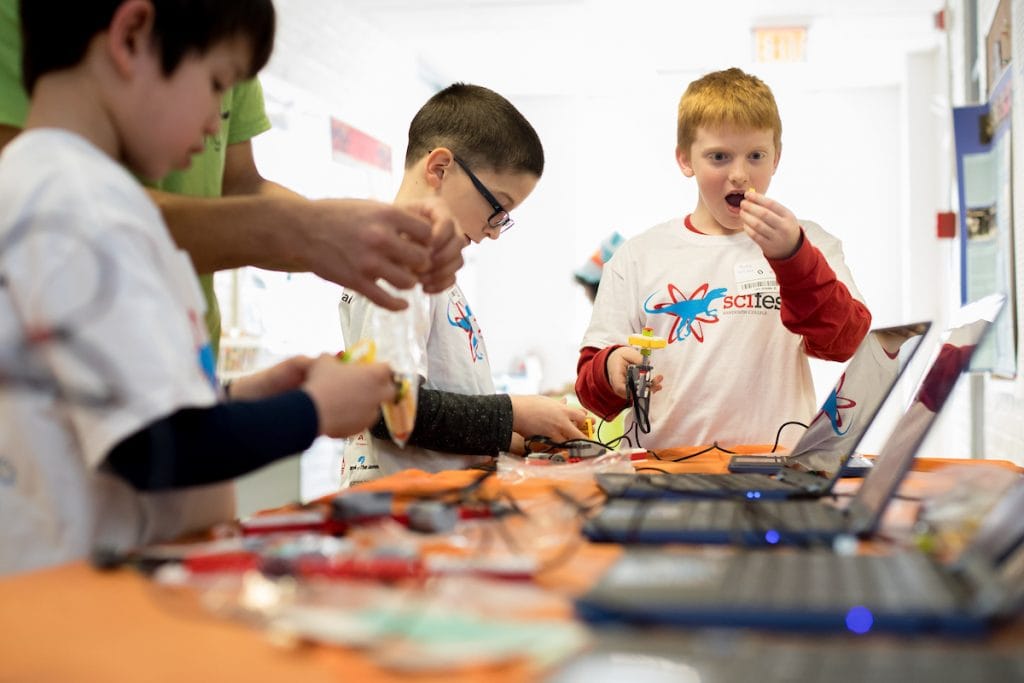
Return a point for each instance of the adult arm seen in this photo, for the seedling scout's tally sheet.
(818, 306)
(197, 446)
(352, 242)
(459, 423)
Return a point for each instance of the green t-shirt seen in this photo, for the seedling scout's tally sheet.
(13, 100)
(245, 118)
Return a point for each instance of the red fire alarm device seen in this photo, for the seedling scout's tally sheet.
(945, 224)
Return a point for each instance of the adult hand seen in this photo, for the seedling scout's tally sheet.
(617, 364)
(446, 243)
(771, 225)
(286, 375)
(347, 395)
(545, 416)
(353, 242)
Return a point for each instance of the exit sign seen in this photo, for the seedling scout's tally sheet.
(780, 44)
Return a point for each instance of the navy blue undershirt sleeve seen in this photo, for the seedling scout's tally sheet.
(459, 423)
(196, 446)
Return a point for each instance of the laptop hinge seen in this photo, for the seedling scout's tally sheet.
(987, 590)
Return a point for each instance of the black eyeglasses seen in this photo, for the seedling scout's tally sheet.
(500, 219)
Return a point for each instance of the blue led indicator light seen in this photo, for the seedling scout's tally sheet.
(771, 536)
(859, 619)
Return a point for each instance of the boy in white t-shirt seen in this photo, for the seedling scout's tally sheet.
(742, 291)
(472, 148)
(111, 434)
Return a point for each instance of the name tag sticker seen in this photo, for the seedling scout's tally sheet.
(756, 276)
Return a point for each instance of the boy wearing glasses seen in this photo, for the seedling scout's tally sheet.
(742, 291)
(472, 148)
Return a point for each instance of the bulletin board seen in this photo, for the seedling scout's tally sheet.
(983, 135)
(1017, 69)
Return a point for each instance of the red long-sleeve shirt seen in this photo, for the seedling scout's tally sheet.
(814, 304)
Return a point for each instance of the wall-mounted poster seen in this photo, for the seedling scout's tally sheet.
(983, 144)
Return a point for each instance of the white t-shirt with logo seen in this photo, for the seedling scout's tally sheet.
(452, 357)
(732, 372)
(84, 251)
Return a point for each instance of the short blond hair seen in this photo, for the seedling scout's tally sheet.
(727, 98)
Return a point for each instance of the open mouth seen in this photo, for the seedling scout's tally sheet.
(733, 199)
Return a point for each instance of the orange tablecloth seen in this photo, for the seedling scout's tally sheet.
(74, 623)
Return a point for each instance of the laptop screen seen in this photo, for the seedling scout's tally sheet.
(861, 390)
(1001, 530)
(953, 355)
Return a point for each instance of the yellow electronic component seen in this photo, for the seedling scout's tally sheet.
(647, 340)
(589, 423)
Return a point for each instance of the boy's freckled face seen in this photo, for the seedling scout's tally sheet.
(469, 207)
(726, 163)
(177, 112)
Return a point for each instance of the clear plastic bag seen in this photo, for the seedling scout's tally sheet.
(399, 337)
(513, 468)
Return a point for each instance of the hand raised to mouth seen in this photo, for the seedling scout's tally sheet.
(771, 225)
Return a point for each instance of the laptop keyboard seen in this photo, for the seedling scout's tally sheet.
(763, 581)
(765, 516)
(697, 485)
(714, 482)
(667, 654)
(846, 661)
(822, 580)
(631, 518)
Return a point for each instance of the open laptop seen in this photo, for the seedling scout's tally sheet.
(711, 656)
(759, 522)
(818, 458)
(907, 591)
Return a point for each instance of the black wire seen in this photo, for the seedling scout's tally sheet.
(652, 469)
(614, 441)
(581, 507)
(778, 434)
(569, 550)
(462, 494)
(641, 415)
(549, 445)
(713, 447)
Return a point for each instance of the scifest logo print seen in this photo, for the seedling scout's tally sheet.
(833, 404)
(691, 313)
(461, 317)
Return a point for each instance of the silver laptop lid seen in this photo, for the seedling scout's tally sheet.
(855, 399)
(993, 562)
(951, 357)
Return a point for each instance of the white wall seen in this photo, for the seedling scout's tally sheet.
(611, 167)
(866, 148)
(997, 404)
(1003, 398)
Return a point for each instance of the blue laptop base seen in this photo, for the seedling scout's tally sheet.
(647, 521)
(960, 624)
(646, 486)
